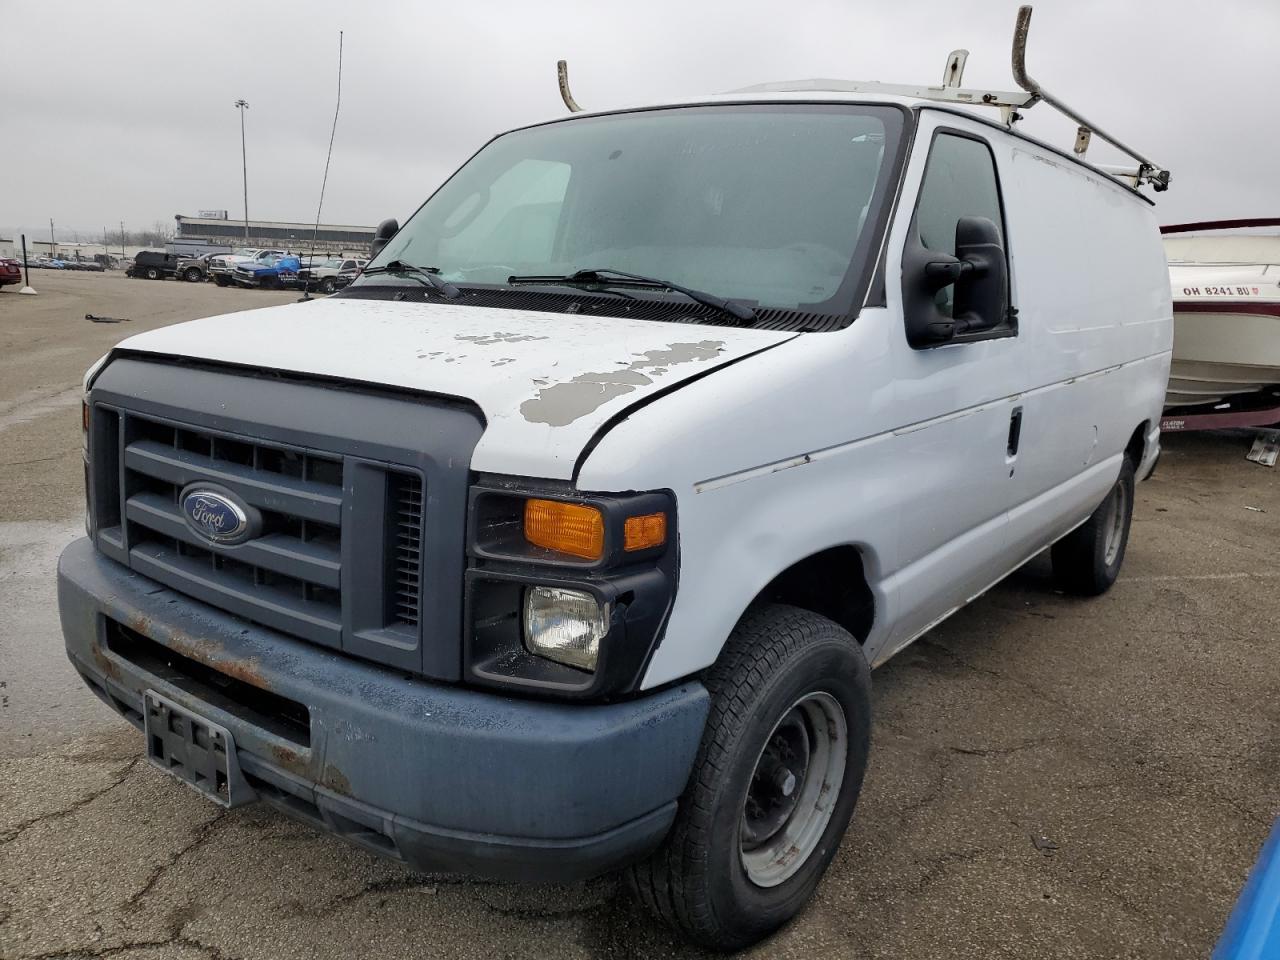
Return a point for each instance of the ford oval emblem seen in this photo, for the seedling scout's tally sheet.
(217, 515)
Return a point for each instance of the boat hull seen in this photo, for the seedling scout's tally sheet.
(1222, 350)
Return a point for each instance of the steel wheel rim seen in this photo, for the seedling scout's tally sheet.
(1114, 523)
(775, 857)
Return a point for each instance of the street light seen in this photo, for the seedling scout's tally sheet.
(242, 106)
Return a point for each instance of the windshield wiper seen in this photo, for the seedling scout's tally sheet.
(600, 277)
(427, 276)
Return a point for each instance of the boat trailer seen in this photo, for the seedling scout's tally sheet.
(1257, 412)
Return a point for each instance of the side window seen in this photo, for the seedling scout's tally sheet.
(959, 181)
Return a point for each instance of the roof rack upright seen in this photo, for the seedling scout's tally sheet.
(950, 91)
(1147, 172)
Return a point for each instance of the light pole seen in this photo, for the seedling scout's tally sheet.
(242, 106)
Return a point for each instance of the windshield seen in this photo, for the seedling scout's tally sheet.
(763, 203)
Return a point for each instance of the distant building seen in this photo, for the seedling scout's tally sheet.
(270, 233)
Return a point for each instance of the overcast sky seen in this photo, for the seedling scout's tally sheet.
(124, 111)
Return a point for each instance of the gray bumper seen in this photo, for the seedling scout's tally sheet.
(440, 777)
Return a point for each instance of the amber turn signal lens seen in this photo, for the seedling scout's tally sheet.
(84, 416)
(567, 527)
(641, 533)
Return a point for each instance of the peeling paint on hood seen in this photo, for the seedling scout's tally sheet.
(562, 403)
(545, 382)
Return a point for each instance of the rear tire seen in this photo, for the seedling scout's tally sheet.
(774, 784)
(1087, 560)
(152, 273)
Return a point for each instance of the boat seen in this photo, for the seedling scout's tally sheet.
(1225, 279)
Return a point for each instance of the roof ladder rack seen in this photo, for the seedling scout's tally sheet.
(950, 91)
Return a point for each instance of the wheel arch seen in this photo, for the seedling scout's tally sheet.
(1136, 448)
(832, 583)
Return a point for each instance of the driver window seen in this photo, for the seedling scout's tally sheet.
(959, 181)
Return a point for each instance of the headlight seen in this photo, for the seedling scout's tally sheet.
(564, 625)
(567, 592)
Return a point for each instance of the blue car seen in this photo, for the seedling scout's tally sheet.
(1253, 931)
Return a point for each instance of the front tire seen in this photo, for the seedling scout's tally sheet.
(327, 285)
(1087, 561)
(222, 281)
(774, 784)
(193, 275)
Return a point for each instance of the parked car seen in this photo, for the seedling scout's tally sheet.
(222, 267)
(328, 274)
(194, 269)
(566, 537)
(47, 263)
(271, 272)
(154, 265)
(10, 271)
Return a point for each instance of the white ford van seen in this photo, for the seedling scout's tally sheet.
(566, 537)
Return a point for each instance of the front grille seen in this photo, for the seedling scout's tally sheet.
(406, 506)
(291, 577)
(363, 494)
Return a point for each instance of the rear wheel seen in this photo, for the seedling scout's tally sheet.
(152, 273)
(774, 783)
(1087, 560)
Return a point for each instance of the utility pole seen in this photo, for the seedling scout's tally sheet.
(123, 255)
(242, 106)
(53, 244)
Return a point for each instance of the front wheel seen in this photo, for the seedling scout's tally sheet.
(774, 784)
(327, 285)
(193, 275)
(1087, 560)
(222, 281)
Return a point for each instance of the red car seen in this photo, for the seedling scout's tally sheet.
(10, 271)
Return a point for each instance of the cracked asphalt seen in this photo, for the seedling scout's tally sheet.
(1049, 777)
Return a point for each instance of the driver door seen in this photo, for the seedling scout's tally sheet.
(957, 397)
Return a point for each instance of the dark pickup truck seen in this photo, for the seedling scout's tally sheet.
(153, 265)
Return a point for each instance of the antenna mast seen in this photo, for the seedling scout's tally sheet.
(306, 292)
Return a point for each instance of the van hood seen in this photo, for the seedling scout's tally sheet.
(546, 382)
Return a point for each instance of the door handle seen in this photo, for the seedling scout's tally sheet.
(1015, 431)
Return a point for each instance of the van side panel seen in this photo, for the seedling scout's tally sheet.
(1092, 290)
(852, 437)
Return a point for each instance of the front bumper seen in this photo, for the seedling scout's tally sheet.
(441, 777)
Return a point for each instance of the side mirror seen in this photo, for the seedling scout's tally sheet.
(981, 300)
(978, 273)
(386, 230)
